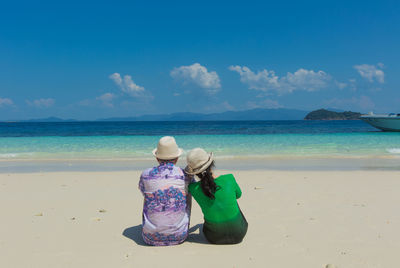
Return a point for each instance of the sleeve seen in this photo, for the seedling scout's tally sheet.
(188, 181)
(237, 189)
(188, 204)
(141, 184)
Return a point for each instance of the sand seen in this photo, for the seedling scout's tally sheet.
(296, 219)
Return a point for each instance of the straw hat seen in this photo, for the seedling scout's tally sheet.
(198, 160)
(167, 149)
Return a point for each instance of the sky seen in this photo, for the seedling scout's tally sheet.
(98, 59)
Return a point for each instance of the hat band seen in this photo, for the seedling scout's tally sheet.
(202, 165)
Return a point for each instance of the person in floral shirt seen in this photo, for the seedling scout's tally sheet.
(167, 204)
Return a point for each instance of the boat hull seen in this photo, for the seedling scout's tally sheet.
(383, 123)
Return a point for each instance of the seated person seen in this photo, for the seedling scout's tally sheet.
(166, 208)
(224, 222)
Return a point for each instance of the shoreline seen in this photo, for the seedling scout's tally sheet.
(333, 163)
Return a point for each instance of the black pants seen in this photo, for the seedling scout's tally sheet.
(230, 232)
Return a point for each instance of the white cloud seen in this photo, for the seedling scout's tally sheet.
(127, 85)
(116, 77)
(198, 75)
(307, 79)
(340, 85)
(106, 99)
(5, 102)
(363, 102)
(41, 103)
(371, 72)
(266, 80)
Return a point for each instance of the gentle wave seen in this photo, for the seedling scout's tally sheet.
(8, 155)
(15, 155)
(394, 150)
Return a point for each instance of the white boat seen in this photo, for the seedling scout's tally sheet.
(389, 122)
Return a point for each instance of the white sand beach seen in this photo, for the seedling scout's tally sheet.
(296, 219)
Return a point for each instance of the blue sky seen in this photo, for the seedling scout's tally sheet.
(96, 59)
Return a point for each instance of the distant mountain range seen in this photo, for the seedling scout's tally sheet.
(48, 119)
(254, 114)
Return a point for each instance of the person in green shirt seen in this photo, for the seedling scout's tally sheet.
(224, 222)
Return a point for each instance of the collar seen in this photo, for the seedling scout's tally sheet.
(166, 163)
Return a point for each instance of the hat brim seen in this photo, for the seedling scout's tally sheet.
(189, 171)
(167, 157)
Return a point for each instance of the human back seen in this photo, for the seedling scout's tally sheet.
(224, 206)
(159, 184)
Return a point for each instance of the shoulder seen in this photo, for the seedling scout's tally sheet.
(147, 172)
(226, 177)
(179, 171)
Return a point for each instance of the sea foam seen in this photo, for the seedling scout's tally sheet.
(8, 155)
(394, 150)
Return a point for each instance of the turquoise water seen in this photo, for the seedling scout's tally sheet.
(364, 144)
(108, 146)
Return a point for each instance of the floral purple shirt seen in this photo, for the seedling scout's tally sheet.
(167, 204)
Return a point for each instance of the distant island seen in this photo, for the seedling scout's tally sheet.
(323, 114)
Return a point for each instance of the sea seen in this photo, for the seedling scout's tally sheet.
(282, 145)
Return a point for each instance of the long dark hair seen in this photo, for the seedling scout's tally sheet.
(207, 182)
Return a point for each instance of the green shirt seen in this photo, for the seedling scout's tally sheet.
(224, 207)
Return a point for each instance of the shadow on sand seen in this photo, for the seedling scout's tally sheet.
(135, 234)
(197, 238)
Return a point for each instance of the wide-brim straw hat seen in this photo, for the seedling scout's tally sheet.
(167, 149)
(198, 160)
